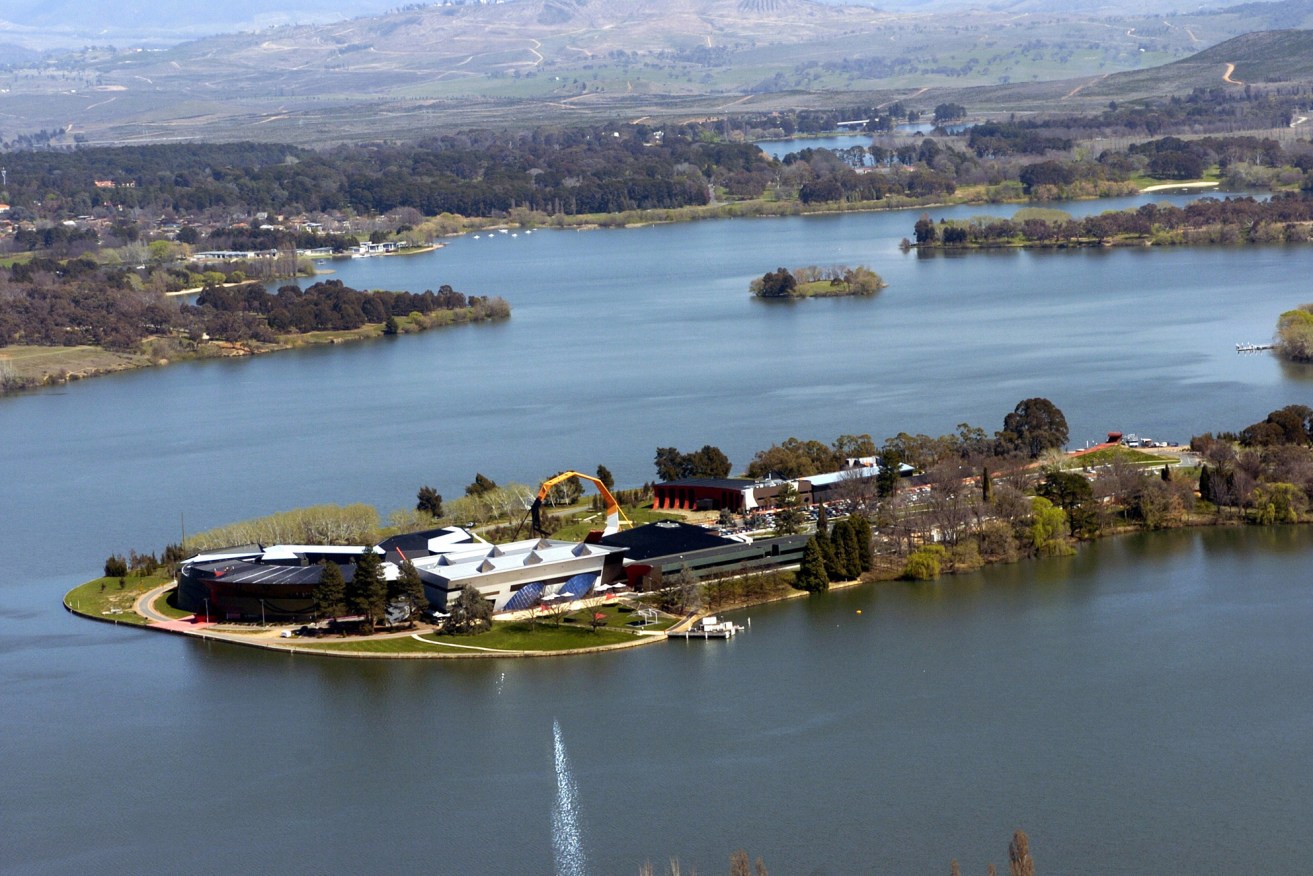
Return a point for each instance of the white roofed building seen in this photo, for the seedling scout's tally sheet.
(519, 574)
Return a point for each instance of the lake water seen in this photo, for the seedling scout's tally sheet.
(777, 149)
(1141, 707)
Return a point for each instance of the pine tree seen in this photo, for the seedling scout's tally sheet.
(367, 593)
(1166, 473)
(811, 575)
(986, 484)
(330, 595)
(836, 565)
(852, 549)
(865, 552)
(604, 475)
(828, 554)
(1205, 484)
(469, 611)
(822, 520)
(429, 501)
(408, 589)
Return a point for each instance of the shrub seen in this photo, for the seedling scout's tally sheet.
(924, 563)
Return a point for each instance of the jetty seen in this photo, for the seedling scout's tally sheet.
(1253, 348)
(708, 628)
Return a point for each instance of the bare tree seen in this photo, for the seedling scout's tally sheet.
(1019, 860)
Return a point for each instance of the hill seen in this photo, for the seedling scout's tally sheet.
(528, 61)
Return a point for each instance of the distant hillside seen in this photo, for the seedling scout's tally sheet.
(530, 61)
(51, 24)
(1271, 56)
(1259, 58)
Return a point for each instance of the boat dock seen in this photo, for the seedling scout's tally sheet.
(1253, 348)
(708, 628)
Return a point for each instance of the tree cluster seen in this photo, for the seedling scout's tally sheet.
(708, 462)
(1285, 217)
(473, 173)
(49, 303)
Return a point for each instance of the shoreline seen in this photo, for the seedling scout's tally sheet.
(146, 617)
(105, 362)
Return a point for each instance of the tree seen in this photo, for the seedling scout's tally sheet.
(1035, 425)
(949, 112)
(788, 511)
(830, 554)
(986, 485)
(1019, 860)
(779, 283)
(708, 462)
(846, 531)
(1071, 492)
(116, 566)
(886, 480)
(429, 501)
(481, 484)
(567, 492)
(604, 475)
(862, 529)
(669, 464)
(330, 595)
(367, 592)
(408, 589)
(811, 575)
(925, 230)
(469, 613)
(680, 593)
(924, 563)
(1048, 528)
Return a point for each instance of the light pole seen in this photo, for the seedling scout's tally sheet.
(207, 609)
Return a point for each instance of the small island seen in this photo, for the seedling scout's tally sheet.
(834, 281)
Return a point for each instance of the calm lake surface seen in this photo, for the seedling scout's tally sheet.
(1141, 707)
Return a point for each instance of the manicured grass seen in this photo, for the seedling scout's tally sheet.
(510, 636)
(1127, 455)
(168, 606)
(103, 597)
(578, 530)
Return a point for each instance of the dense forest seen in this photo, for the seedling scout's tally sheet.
(79, 302)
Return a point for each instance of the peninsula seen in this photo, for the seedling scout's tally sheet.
(825, 515)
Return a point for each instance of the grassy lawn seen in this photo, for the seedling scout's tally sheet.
(168, 606)
(10, 260)
(41, 362)
(597, 519)
(1127, 455)
(104, 598)
(510, 636)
